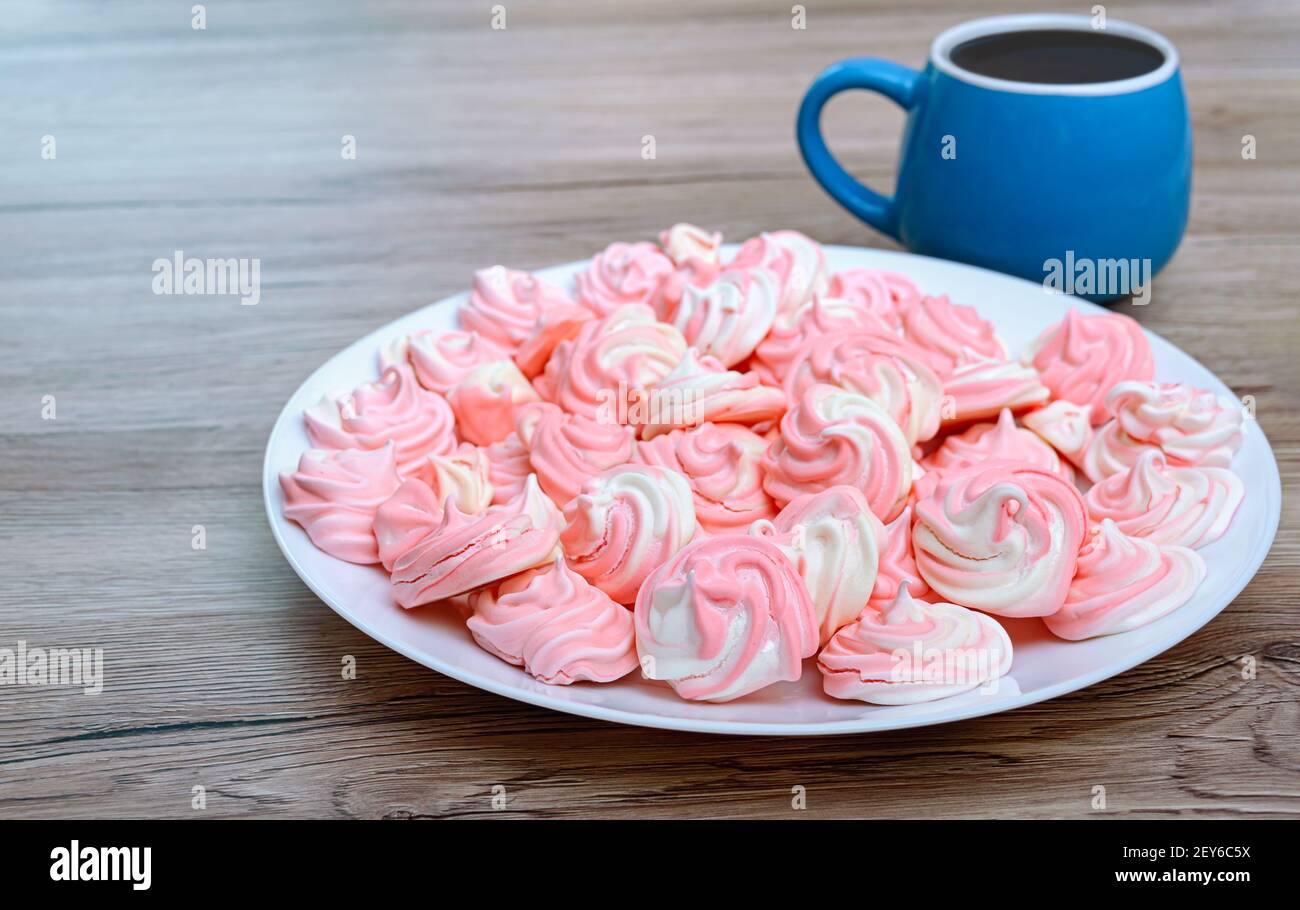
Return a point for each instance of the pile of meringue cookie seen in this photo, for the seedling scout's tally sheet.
(712, 470)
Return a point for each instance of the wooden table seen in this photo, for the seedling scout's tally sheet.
(521, 145)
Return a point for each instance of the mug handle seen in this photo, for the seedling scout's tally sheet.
(893, 80)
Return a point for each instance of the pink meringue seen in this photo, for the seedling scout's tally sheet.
(505, 305)
(834, 541)
(1191, 426)
(1066, 426)
(462, 553)
(723, 463)
(1082, 357)
(465, 475)
(793, 330)
(699, 390)
(982, 388)
(729, 317)
(1123, 583)
(695, 254)
(833, 437)
(486, 400)
(725, 617)
(624, 523)
(393, 409)
(797, 260)
(566, 450)
(950, 334)
(889, 372)
(623, 273)
(508, 467)
(405, 518)
(879, 292)
(1188, 507)
(1001, 537)
(611, 362)
(1001, 441)
(442, 360)
(556, 626)
(914, 652)
(334, 495)
(897, 565)
(559, 323)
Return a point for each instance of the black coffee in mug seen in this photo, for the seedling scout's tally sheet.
(1057, 56)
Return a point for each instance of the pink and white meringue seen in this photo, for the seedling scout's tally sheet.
(556, 626)
(505, 305)
(981, 388)
(623, 273)
(727, 616)
(508, 467)
(881, 293)
(1001, 441)
(699, 390)
(913, 652)
(1123, 583)
(886, 370)
(797, 260)
(695, 254)
(1181, 506)
(405, 518)
(950, 334)
(897, 565)
(465, 475)
(793, 330)
(833, 437)
(723, 463)
(566, 450)
(624, 523)
(1066, 426)
(443, 360)
(559, 323)
(834, 541)
(394, 409)
(1082, 357)
(1191, 426)
(611, 363)
(334, 496)
(730, 316)
(1111, 451)
(1001, 537)
(486, 400)
(463, 553)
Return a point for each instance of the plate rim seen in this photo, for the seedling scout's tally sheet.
(1247, 569)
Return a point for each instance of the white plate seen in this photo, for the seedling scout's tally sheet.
(1044, 667)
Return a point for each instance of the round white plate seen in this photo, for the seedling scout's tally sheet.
(1044, 666)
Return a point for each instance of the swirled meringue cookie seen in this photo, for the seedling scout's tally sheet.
(1123, 583)
(624, 523)
(950, 334)
(981, 388)
(912, 652)
(1001, 441)
(833, 437)
(1001, 537)
(897, 564)
(729, 317)
(1191, 426)
(556, 626)
(504, 305)
(508, 467)
(1112, 451)
(611, 363)
(879, 292)
(1066, 426)
(797, 260)
(463, 553)
(1188, 507)
(465, 475)
(623, 273)
(886, 370)
(695, 255)
(1082, 357)
(723, 463)
(565, 450)
(794, 330)
(727, 616)
(405, 518)
(486, 400)
(394, 409)
(835, 542)
(559, 323)
(334, 496)
(442, 361)
(700, 389)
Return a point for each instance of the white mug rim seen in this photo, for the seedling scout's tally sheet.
(941, 51)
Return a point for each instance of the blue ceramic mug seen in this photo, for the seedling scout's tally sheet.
(1027, 177)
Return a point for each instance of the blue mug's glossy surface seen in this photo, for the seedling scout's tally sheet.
(1015, 176)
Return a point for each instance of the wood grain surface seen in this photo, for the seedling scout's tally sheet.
(519, 145)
